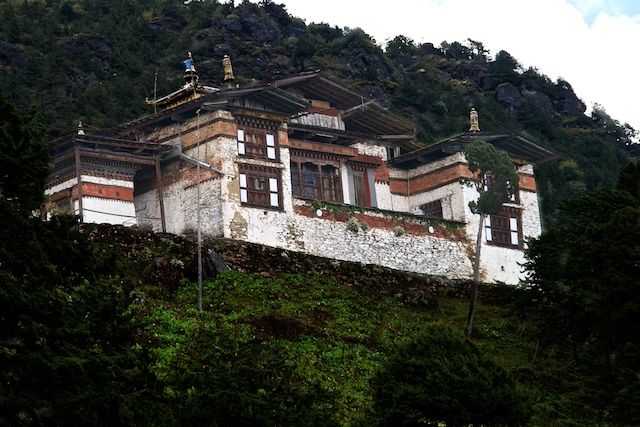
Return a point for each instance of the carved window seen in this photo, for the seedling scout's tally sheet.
(260, 188)
(317, 182)
(257, 144)
(504, 228)
(433, 209)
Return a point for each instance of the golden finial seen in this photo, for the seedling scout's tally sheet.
(228, 69)
(473, 120)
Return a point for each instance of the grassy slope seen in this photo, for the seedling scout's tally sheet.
(337, 337)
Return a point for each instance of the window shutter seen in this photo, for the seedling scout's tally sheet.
(487, 228)
(243, 188)
(241, 148)
(513, 225)
(273, 192)
(273, 185)
(271, 146)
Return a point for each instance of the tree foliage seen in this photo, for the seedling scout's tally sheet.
(584, 295)
(23, 158)
(496, 176)
(441, 379)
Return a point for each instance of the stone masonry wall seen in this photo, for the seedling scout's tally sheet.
(368, 238)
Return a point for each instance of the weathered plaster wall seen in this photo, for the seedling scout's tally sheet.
(430, 167)
(88, 179)
(422, 253)
(371, 149)
(452, 196)
(531, 223)
(180, 205)
(110, 211)
(450, 192)
(403, 244)
(499, 263)
(383, 196)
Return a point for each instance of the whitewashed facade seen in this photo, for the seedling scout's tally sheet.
(283, 168)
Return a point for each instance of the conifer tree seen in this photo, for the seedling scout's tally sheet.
(23, 158)
(494, 182)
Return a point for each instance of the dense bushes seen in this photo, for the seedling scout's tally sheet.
(441, 378)
(584, 295)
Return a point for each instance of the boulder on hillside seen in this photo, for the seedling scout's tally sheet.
(541, 102)
(571, 106)
(509, 96)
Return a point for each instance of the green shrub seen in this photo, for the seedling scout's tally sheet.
(439, 378)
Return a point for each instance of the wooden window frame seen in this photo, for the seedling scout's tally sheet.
(298, 187)
(249, 196)
(510, 229)
(433, 209)
(268, 147)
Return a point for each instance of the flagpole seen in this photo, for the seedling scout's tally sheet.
(198, 214)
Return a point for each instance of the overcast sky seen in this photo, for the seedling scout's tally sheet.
(593, 44)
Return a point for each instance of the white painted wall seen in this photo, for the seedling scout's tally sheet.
(107, 181)
(96, 210)
(383, 196)
(453, 202)
(499, 263)
(371, 149)
(430, 167)
(316, 236)
(180, 205)
(60, 187)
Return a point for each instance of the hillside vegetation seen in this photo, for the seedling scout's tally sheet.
(98, 323)
(96, 61)
(103, 329)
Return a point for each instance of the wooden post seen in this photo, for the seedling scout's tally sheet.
(160, 190)
(79, 177)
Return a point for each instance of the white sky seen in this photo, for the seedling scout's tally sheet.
(592, 44)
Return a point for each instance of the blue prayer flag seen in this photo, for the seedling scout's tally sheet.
(188, 65)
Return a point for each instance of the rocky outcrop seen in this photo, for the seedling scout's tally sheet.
(567, 102)
(509, 96)
(539, 101)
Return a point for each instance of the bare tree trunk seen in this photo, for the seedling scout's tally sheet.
(476, 280)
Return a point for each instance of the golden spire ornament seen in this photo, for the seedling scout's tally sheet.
(473, 120)
(228, 69)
